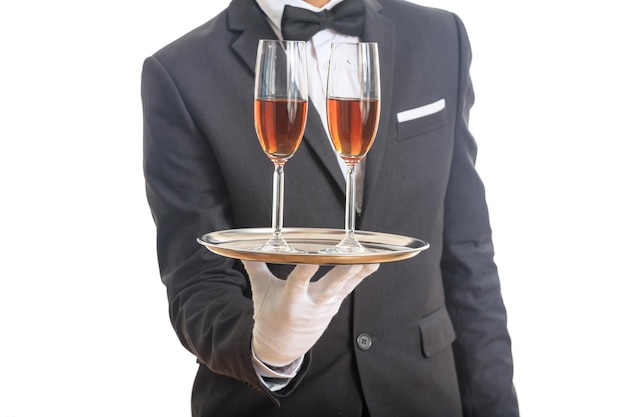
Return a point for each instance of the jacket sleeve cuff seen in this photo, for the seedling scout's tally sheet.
(276, 378)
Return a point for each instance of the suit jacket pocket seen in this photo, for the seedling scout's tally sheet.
(409, 127)
(437, 332)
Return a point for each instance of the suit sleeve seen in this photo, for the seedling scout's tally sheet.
(209, 296)
(472, 287)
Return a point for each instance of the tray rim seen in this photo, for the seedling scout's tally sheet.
(217, 243)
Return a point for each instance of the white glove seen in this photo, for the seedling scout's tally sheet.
(291, 315)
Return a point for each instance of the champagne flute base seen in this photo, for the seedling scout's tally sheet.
(277, 244)
(348, 245)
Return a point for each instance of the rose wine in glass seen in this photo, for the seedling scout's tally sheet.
(280, 124)
(353, 111)
(280, 112)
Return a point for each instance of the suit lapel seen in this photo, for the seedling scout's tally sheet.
(315, 136)
(246, 17)
(380, 30)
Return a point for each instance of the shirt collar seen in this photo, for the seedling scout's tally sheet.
(274, 9)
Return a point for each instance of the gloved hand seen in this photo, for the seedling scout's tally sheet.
(291, 315)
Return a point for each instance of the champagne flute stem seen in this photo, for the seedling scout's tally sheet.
(278, 198)
(276, 242)
(350, 219)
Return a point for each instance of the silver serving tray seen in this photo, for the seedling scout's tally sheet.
(243, 244)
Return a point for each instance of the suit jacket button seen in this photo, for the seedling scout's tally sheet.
(364, 341)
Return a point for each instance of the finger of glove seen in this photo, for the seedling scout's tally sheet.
(337, 283)
(352, 283)
(255, 266)
(260, 279)
(299, 279)
(258, 272)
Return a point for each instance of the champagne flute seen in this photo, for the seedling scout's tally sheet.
(280, 112)
(353, 110)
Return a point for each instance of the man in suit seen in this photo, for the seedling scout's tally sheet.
(421, 337)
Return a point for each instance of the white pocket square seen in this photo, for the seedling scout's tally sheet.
(422, 111)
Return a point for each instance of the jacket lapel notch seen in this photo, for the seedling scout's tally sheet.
(246, 17)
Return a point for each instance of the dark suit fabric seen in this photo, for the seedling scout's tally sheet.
(437, 323)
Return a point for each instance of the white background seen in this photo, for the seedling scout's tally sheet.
(83, 315)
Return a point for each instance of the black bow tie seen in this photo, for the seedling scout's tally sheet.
(300, 24)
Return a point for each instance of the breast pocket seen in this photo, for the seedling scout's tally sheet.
(420, 120)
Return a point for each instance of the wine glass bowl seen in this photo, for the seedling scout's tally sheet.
(353, 112)
(353, 127)
(280, 113)
(280, 126)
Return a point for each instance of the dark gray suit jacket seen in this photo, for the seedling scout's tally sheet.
(205, 171)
